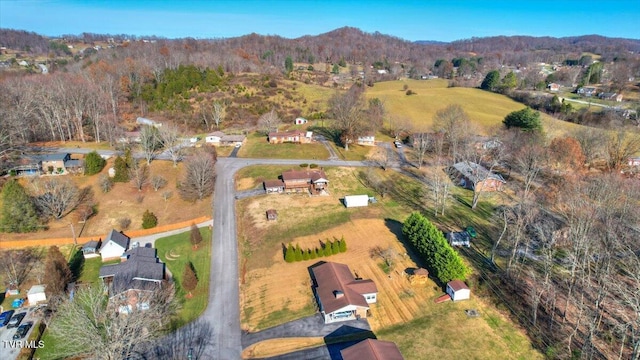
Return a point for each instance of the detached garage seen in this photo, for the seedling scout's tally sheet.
(356, 200)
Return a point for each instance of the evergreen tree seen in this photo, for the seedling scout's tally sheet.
(290, 254)
(305, 254)
(335, 69)
(509, 82)
(122, 171)
(288, 64)
(526, 119)
(189, 278)
(195, 236)
(313, 253)
(149, 220)
(18, 211)
(319, 253)
(335, 247)
(298, 253)
(343, 245)
(93, 163)
(57, 273)
(327, 248)
(491, 81)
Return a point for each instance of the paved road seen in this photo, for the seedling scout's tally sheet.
(223, 311)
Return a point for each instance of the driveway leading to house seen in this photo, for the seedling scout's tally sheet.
(311, 326)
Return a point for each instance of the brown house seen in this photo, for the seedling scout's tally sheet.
(339, 294)
(372, 349)
(295, 136)
(476, 177)
(314, 181)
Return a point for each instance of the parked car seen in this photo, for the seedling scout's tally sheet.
(471, 231)
(22, 331)
(16, 320)
(397, 143)
(5, 317)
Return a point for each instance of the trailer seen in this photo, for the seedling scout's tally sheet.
(356, 200)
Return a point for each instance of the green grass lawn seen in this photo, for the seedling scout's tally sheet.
(258, 147)
(176, 251)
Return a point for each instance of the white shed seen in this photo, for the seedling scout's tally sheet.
(36, 294)
(300, 121)
(458, 290)
(356, 200)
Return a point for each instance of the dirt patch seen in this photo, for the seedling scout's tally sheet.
(245, 184)
(398, 300)
(290, 208)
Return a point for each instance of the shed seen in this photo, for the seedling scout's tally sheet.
(36, 294)
(419, 277)
(300, 121)
(356, 200)
(458, 290)
(272, 214)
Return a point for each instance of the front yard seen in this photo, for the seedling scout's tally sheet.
(258, 147)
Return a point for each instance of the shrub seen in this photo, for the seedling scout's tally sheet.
(319, 253)
(305, 255)
(327, 248)
(93, 163)
(298, 253)
(335, 247)
(304, 165)
(343, 245)
(289, 254)
(124, 223)
(195, 236)
(105, 183)
(149, 220)
(313, 253)
(411, 92)
(313, 166)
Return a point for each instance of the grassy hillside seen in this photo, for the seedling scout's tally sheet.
(484, 108)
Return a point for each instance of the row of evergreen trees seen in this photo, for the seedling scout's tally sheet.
(442, 260)
(327, 248)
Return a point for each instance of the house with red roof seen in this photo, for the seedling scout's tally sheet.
(372, 349)
(339, 294)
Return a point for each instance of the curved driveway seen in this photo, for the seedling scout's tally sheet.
(223, 311)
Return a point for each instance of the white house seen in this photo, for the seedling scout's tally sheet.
(356, 200)
(340, 295)
(300, 121)
(214, 138)
(36, 294)
(368, 139)
(458, 290)
(114, 245)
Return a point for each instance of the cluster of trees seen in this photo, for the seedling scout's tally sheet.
(327, 248)
(442, 260)
(47, 198)
(492, 82)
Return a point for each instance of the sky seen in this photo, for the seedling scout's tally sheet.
(412, 20)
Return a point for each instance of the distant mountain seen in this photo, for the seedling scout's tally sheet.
(430, 42)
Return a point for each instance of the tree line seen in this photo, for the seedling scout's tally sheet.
(327, 248)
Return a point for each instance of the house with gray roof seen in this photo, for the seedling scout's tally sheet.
(476, 177)
(114, 245)
(58, 163)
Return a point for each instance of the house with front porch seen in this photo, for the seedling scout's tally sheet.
(339, 294)
(295, 136)
(314, 181)
(368, 139)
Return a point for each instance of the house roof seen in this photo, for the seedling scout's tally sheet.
(53, 157)
(476, 172)
(273, 183)
(36, 289)
(421, 272)
(287, 133)
(73, 163)
(93, 244)
(371, 349)
(117, 237)
(332, 279)
(310, 175)
(456, 285)
(232, 138)
(136, 272)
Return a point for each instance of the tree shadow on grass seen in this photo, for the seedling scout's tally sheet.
(76, 264)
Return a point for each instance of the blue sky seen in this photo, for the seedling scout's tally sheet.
(441, 20)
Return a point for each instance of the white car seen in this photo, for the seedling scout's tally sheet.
(398, 144)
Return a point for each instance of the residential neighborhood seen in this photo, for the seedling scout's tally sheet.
(209, 184)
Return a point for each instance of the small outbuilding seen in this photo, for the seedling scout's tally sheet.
(356, 200)
(36, 294)
(91, 249)
(419, 276)
(272, 215)
(458, 290)
(300, 121)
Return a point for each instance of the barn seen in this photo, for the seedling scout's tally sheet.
(458, 290)
(356, 200)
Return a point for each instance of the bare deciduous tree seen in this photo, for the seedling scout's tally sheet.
(91, 325)
(150, 142)
(105, 183)
(158, 182)
(348, 112)
(55, 197)
(454, 122)
(269, 122)
(169, 136)
(619, 147)
(17, 263)
(199, 177)
(139, 175)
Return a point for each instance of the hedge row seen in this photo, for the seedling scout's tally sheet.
(442, 260)
(327, 248)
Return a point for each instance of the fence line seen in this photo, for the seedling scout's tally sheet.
(81, 240)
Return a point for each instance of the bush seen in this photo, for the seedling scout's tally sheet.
(289, 254)
(124, 223)
(343, 245)
(298, 253)
(327, 249)
(305, 255)
(149, 220)
(93, 163)
(335, 247)
(525, 119)
(304, 165)
(313, 166)
(105, 183)
(411, 92)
